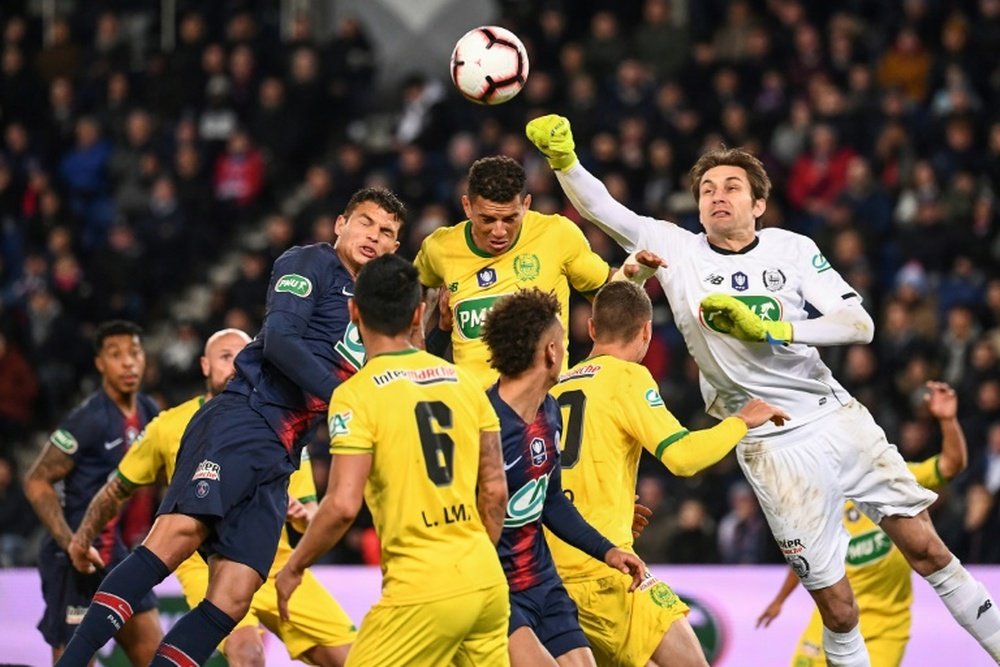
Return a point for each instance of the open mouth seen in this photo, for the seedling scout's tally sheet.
(367, 251)
(498, 245)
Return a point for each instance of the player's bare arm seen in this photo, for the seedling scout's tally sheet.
(942, 403)
(773, 610)
(51, 466)
(102, 508)
(340, 506)
(491, 497)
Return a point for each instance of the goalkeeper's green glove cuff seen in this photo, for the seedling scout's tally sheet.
(778, 333)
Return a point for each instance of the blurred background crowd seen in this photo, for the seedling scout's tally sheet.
(157, 180)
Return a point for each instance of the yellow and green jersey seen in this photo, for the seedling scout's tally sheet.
(420, 419)
(550, 253)
(877, 570)
(155, 452)
(612, 410)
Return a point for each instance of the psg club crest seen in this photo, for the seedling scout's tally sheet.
(486, 277)
(740, 281)
(538, 454)
(774, 279)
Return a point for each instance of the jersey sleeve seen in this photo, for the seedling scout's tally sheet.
(584, 267)
(427, 273)
(683, 452)
(295, 279)
(76, 434)
(928, 473)
(350, 432)
(822, 286)
(145, 458)
(643, 415)
(301, 484)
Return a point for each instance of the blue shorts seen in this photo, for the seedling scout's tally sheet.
(232, 474)
(548, 610)
(67, 593)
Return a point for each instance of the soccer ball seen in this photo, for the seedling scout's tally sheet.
(489, 65)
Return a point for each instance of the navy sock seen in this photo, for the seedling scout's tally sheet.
(112, 604)
(193, 638)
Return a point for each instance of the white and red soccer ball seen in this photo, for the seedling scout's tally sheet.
(489, 65)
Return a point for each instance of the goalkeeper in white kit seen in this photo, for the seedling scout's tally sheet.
(738, 295)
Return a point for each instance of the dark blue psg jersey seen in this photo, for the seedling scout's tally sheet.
(95, 435)
(531, 461)
(311, 284)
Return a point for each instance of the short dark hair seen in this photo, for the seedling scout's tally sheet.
(514, 327)
(499, 179)
(387, 293)
(114, 328)
(621, 308)
(384, 198)
(760, 182)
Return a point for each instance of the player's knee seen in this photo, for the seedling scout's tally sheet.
(245, 649)
(841, 619)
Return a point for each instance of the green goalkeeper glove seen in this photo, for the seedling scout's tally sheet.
(552, 135)
(731, 316)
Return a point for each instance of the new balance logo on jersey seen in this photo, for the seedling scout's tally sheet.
(714, 278)
(985, 607)
(207, 470)
(486, 277)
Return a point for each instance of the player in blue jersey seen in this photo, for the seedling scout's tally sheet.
(80, 454)
(228, 495)
(525, 341)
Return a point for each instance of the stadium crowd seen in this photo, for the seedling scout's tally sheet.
(127, 174)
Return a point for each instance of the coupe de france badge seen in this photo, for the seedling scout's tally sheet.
(486, 277)
(740, 282)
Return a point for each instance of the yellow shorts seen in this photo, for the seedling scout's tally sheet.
(624, 628)
(463, 630)
(883, 651)
(315, 618)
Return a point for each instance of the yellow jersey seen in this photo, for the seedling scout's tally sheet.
(612, 410)
(420, 419)
(877, 570)
(155, 450)
(550, 253)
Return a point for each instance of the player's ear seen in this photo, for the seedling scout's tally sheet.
(204, 366)
(338, 226)
(527, 201)
(418, 315)
(467, 206)
(352, 310)
(99, 364)
(759, 206)
(647, 331)
(591, 330)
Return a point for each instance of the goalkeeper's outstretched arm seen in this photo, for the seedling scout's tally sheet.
(591, 198)
(553, 136)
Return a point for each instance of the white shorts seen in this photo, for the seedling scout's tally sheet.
(803, 476)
